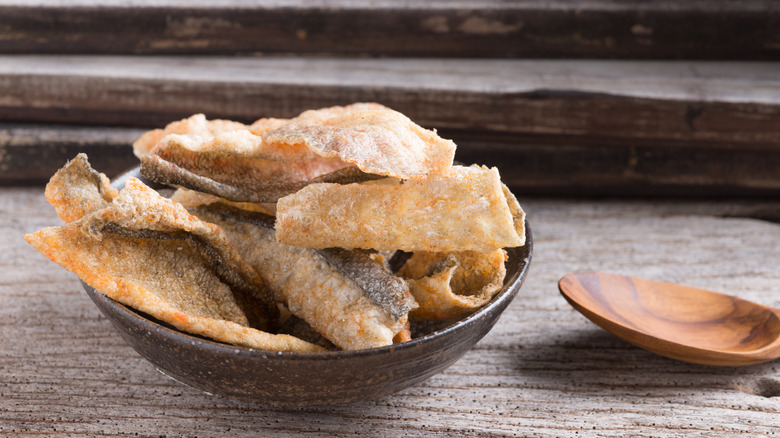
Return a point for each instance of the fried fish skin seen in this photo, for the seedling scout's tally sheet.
(461, 209)
(141, 211)
(77, 189)
(453, 284)
(320, 287)
(196, 125)
(518, 215)
(163, 278)
(275, 157)
(155, 168)
(150, 254)
(377, 139)
(241, 158)
(192, 198)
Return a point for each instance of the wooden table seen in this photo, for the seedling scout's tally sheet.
(646, 142)
(544, 370)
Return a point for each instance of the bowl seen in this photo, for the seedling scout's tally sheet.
(306, 379)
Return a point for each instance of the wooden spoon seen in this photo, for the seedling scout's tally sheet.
(680, 322)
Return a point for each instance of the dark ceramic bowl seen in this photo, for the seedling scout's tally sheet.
(302, 379)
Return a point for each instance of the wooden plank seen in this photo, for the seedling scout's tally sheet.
(30, 154)
(685, 103)
(547, 166)
(683, 128)
(692, 29)
(543, 371)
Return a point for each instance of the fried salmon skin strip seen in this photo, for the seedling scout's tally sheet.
(143, 251)
(139, 211)
(375, 138)
(518, 215)
(77, 189)
(451, 285)
(347, 296)
(252, 190)
(240, 167)
(275, 157)
(191, 198)
(461, 209)
(240, 158)
(194, 125)
(162, 278)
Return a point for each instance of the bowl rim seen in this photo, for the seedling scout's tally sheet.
(506, 295)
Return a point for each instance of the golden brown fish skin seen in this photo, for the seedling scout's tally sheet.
(240, 158)
(404, 335)
(259, 126)
(301, 329)
(77, 189)
(193, 299)
(253, 299)
(139, 211)
(191, 198)
(161, 171)
(461, 209)
(518, 215)
(193, 125)
(383, 288)
(311, 287)
(276, 157)
(377, 139)
(452, 285)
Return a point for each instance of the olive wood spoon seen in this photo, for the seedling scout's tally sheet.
(680, 322)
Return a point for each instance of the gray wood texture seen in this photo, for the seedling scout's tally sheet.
(30, 153)
(690, 29)
(683, 101)
(555, 126)
(543, 371)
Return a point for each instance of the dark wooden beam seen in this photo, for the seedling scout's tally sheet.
(670, 104)
(30, 153)
(557, 166)
(636, 29)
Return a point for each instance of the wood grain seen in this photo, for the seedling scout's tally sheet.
(694, 29)
(555, 165)
(687, 102)
(543, 371)
(552, 126)
(677, 321)
(30, 153)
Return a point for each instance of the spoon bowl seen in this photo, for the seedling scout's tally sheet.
(679, 322)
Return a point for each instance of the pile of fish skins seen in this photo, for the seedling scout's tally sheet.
(333, 230)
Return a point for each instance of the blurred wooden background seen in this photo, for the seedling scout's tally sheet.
(565, 97)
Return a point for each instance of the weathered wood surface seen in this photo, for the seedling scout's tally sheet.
(30, 154)
(556, 126)
(691, 29)
(543, 371)
(710, 102)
